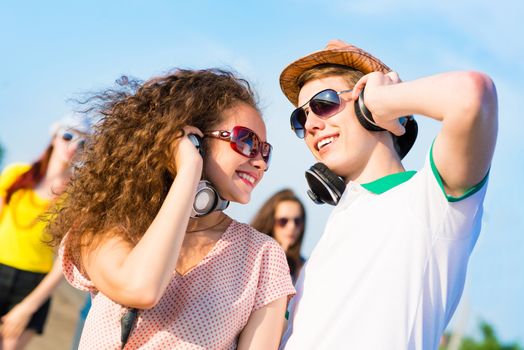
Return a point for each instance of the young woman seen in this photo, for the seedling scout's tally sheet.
(27, 273)
(158, 278)
(283, 217)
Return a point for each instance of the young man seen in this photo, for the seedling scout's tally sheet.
(389, 269)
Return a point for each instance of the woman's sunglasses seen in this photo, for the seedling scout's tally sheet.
(282, 222)
(71, 136)
(324, 104)
(245, 142)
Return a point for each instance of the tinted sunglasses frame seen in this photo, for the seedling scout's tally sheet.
(71, 136)
(282, 222)
(323, 104)
(237, 142)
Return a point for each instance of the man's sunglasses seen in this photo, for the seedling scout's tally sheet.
(324, 104)
(245, 142)
(282, 222)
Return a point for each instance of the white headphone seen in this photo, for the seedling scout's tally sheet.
(207, 199)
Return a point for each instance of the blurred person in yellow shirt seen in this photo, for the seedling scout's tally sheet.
(27, 273)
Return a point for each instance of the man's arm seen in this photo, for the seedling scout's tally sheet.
(465, 103)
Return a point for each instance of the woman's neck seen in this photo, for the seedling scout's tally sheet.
(206, 223)
(55, 179)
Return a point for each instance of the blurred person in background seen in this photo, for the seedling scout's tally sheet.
(283, 217)
(28, 274)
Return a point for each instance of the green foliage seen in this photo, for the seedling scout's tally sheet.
(489, 341)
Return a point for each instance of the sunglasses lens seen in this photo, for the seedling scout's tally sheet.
(67, 136)
(298, 122)
(266, 153)
(282, 222)
(325, 104)
(244, 141)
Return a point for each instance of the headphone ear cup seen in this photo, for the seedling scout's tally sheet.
(360, 111)
(197, 141)
(207, 200)
(324, 185)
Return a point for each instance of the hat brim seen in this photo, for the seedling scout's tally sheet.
(349, 56)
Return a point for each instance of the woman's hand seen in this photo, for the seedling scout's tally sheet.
(382, 117)
(15, 321)
(185, 152)
(117, 268)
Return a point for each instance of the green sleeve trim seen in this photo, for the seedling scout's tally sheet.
(287, 315)
(471, 191)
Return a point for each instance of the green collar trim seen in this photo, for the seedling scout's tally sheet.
(387, 182)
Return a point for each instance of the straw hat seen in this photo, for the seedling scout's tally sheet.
(335, 52)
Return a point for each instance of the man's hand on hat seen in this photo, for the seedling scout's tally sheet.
(370, 83)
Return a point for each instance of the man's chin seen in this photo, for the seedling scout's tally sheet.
(336, 167)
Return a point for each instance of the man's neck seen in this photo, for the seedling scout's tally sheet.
(382, 162)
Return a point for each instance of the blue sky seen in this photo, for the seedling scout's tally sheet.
(54, 51)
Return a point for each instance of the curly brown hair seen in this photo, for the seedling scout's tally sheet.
(264, 221)
(127, 165)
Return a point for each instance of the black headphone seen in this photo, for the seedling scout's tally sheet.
(365, 117)
(207, 199)
(324, 185)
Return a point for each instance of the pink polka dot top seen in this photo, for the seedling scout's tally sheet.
(206, 308)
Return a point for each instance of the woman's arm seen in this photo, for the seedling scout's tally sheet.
(136, 276)
(16, 320)
(264, 327)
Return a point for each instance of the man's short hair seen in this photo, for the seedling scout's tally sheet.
(350, 75)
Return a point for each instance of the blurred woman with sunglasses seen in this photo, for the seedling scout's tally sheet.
(283, 217)
(27, 273)
(159, 278)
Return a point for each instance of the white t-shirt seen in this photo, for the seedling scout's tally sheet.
(390, 267)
